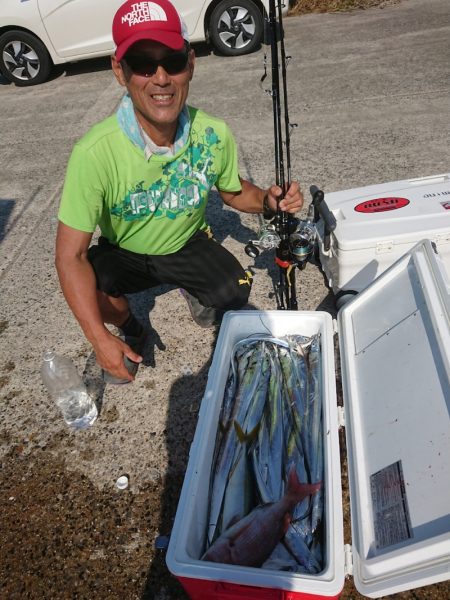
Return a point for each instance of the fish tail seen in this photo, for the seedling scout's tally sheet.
(299, 491)
(246, 437)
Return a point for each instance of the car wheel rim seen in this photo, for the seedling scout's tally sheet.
(236, 27)
(21, 60)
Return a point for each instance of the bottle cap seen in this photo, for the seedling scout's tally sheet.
(122, 482)
(49, 355)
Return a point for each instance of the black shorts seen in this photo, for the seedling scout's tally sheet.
(202, 267)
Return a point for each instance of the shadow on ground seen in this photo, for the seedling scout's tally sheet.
(6, 208)
(184, 402)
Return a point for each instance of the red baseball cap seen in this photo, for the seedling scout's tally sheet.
(158, 21)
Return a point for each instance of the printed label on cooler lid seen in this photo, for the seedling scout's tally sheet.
(381, 204)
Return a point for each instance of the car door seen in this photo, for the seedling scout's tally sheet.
(83, 27)
(79, 27)
(191, 12)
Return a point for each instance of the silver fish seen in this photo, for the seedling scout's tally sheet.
(281, 560)
(261, 463)
(238, 495)
(224, 458)
(240, 485)
(296, 545)
(269, 433)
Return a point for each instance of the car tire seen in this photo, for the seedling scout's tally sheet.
(236, 27)
(24, 59)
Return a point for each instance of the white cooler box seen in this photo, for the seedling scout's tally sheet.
(378, 224)
(395, 356)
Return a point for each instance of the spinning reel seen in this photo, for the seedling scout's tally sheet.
(301, 240)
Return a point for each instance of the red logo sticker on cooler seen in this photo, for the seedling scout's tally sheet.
(446, 205)
(381, 205)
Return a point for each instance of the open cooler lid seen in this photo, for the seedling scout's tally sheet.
(398, 212)
(395, 361)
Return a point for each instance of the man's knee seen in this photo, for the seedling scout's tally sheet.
(106, 273)
(235, 293)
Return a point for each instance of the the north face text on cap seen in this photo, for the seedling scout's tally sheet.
(144, 11)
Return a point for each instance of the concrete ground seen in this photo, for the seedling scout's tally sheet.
(371, 96)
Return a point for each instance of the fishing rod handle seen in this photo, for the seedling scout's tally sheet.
(319, 203)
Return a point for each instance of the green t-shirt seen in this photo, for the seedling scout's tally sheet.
(147, 206)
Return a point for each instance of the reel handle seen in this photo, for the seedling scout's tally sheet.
(251, 250)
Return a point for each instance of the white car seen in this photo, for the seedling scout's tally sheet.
(37, 34)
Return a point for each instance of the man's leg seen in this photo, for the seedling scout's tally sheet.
(113, 310)
(119, 272)
(208, 272)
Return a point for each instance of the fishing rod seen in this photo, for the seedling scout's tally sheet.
(285, 223)
(292, 239)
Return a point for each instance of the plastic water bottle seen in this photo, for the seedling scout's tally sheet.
(67, 389)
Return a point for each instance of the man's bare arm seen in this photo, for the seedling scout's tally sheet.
(78, 285)
(250, 198)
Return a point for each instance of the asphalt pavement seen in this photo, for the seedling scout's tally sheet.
(370, 94)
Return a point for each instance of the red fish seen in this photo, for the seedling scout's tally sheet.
(250, 541)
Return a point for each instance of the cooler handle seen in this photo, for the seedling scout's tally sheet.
(235, 591)
(322, 208)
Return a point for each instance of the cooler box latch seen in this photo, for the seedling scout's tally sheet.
(384, 247)
(348, 560)
(335, 327)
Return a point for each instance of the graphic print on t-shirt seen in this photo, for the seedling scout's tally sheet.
(182, 188)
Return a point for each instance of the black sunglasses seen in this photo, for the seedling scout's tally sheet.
(146, 67)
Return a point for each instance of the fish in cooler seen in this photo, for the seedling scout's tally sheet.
(252, 539)
(269, 438)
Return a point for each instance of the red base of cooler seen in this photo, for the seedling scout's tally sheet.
(202, 589)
